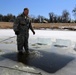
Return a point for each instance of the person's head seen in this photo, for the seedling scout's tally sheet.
(26, 11)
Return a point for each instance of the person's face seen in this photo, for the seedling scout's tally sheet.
(26, 12)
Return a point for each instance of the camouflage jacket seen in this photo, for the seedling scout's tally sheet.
(22, 24)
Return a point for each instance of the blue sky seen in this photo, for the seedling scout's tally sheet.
(37, 7)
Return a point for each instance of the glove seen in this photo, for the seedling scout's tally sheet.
(33, 33)
(17, 32)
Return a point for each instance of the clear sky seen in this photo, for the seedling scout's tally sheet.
(37, 7)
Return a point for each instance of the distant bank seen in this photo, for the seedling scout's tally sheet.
(71, 26)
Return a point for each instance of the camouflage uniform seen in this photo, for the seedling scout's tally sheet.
(21, 27)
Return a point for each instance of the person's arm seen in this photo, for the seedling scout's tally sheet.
(30, 26)
(16, 26)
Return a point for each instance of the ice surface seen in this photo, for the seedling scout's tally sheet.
(43, 39)
(69, 35)
(63, 43)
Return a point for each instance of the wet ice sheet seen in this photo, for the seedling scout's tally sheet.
(46, 61)
(10, 67)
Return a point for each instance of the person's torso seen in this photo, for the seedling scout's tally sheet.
(24, 25)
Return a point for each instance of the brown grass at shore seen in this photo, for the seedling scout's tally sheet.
(6, 25)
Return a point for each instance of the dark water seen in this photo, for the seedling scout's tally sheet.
(49, 62)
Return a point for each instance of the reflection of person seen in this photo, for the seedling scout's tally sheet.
(21, 27)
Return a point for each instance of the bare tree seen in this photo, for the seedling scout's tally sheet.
(51, 16)
(59, 19)
(40, 19)
(1, 17)
(74, 13)
(65, 16)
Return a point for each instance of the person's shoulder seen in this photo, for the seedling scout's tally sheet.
(19, 16)
(29, 18)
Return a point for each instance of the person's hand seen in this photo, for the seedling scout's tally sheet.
(33, 32)
(17, 32)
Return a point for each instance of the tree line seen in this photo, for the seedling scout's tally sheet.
(7, 18)
(53, 18)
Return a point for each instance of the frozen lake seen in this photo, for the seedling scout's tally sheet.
(53, 53)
